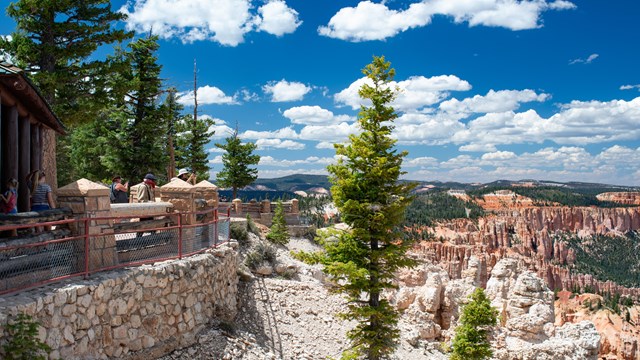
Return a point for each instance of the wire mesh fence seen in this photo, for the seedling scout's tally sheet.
(49, 256)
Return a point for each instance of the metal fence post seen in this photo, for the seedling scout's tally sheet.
(86, 248)
(179, 236)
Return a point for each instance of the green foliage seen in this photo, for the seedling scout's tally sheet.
(251, 226)
(239, 233)
(236, 163)
(23, 342)
(372, 202)
(194, 135)
(425, 209)
(470, 341)
(613, 258)
(278, 234)
(262, 253)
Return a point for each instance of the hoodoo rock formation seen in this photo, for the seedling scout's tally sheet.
(626, 198)
(532, 235)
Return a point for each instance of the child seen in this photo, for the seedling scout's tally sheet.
(9, 200)
(10, 197)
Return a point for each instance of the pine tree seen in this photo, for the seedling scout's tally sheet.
(470, 341)
(278, 233)
(236, 162)
(193, 136)
(372, 201)
(55, 41)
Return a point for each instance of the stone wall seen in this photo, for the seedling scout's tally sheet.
(135, 313)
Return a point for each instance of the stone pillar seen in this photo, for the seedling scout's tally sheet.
(237, 206)
(91, 200)
(266, 206)
(207, 191)
(182, 195)
(294, 206)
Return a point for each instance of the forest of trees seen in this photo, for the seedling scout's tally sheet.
(121, 116)
(614, 258)
(430, 207)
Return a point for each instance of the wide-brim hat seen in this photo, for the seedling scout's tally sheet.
(183, 171)
(150, 177)
(116, 177)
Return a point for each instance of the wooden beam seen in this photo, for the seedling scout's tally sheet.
(36, 148)
(10, 144)
(24, 163)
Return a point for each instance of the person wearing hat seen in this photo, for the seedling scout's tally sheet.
(185, 175)
(146, 190)
(118, 193)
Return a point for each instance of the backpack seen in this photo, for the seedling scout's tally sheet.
(112, 193)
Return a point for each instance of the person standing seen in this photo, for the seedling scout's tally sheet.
(187, 176)
(118, 193)
(41, 195)
(146, 193)
(10, 197)
(146, 190)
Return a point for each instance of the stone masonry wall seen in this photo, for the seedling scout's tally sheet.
(137, 313)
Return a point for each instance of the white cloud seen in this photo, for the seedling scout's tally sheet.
(311, 160)
(371, 21)
(283, 90)
(264, 144)
(325, 145)
(330, 133)
(477, 148)
(313, 115)
(493, 101)
(415, 93)
(630, 87)
(277, 18)
(206, 95)
(588, 60)
(284, 133)
(498, 155)
(222, 21)
(271, 173)
(416, 128)
(577, 123)
(420, 162)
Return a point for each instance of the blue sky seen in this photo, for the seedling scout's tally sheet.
(491, 89)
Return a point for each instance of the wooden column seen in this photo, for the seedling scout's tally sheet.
(36, 148)
(10, 144)
(1, 140)
(24, 162)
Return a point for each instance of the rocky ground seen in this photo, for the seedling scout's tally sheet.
(293, 315)
(282, 318)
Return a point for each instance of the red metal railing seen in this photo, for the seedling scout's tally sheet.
(103, 244)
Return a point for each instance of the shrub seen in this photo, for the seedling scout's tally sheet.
(251, 226)
(239, 233)
(260, 254)
(23, 342)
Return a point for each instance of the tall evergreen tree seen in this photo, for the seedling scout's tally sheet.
(193, 135)
(370, 199)
(236, 162)
(54, 40)
(171, 110)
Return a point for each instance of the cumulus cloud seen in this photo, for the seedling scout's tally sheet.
(283, 90)
(614, 165)
(588, 60)
(222, 21)
(284, 133)
(493, 101)
(415, 93)
(206, 95)
(276, 18)
(314, 115)
(264, 144)
(329, 133)
(576, 123)
(372, 21)
(270, 161)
